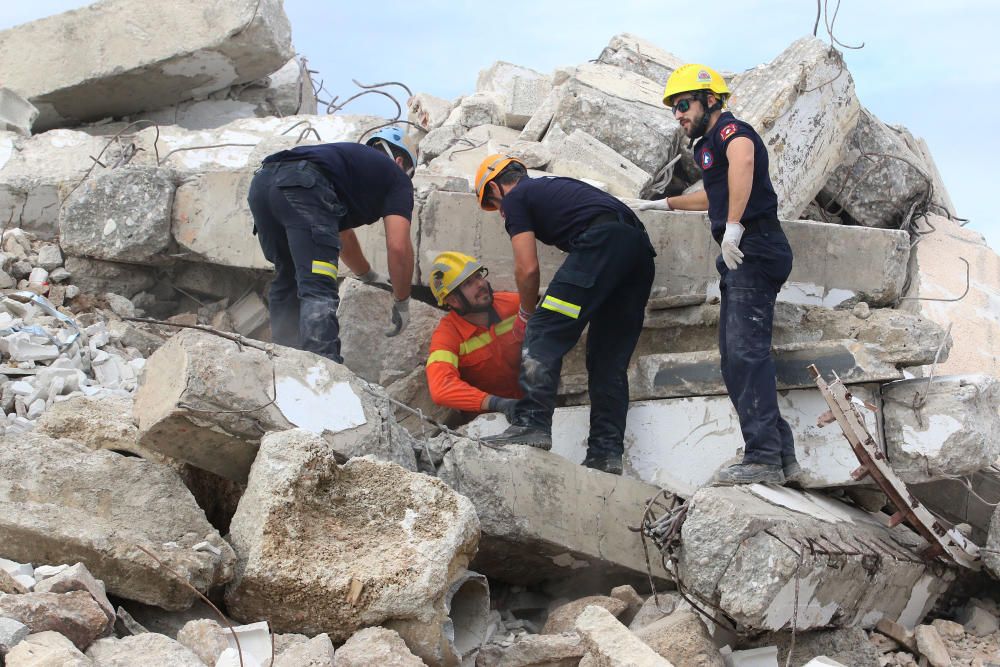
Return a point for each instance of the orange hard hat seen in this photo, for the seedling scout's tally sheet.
(489, 169)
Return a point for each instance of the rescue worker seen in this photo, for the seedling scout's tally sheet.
(754, 263)
(475, 353)
(604, 282)
(306, 202)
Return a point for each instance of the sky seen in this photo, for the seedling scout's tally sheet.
(929, 66)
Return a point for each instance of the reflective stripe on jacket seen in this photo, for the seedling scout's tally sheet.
(467, 362)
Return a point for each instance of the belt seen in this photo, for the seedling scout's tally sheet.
(298, 163)
(760, 225)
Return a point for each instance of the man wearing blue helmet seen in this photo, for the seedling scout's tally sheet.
(306, 202)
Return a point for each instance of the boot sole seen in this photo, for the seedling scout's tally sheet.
(770, 478)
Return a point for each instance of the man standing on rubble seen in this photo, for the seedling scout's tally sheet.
(604, 282)
(475, 351)
(306, 202)
(755, 262)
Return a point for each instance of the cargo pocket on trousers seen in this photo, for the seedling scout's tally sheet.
(567, 291)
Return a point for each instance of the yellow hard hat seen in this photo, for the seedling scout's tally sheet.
(489, 169)
(449, 270)
(692, 77)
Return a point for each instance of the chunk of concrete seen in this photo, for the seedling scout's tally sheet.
(439, 140)
(978, 620)
(946, 428)
(121, 215)
(661, 437)
(205, 638)
(94, 276)
(563, 618)
(47, 649)
(207, 401)
(316, 652)
(683, 639)
(748, 549)
(880, 180)
(50, 506)
(371, 542)
(630, 597)
(75, 615)
(428, 112)
(939, 195)
(99, 422)
(166, 57)
(485, 108)
(612, 644)
(10, 583)
(931, 647)
(974, 317)
(148, 648)
(620, 109)
(545, 518)
(848, 646)
(463, 157)
(11, 634)
(804, 106)
(582, 156)
(16, 113)
(640, 56)
(375, 647)
(211, 221)
(248, 314)
(366, 351)
(535, 650)
(522, 90)
(79, 578)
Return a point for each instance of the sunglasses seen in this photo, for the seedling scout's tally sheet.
(682, 105)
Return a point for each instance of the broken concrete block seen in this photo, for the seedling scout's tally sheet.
(141, 503)
(630, 597)
(79, 578)
(656, 607)
(463, 157)
(541, 120)
(96, 277)
(248, 314)
(565, 530)
(683, 639)
(940, 274)
(946, 428)
(880, 180)
(47, 649)
(804, 106)
(940, 199)
(316, 652)
(612, 644)
(11, 584)
(50, 257)
(373, 356)
(440, 140)
(620, 109)
(530, 650)
(22, 346)
(121, 215)
(11, 634)
(380, 567)
(148, 648)
(206, 401)
(211, 221)
(582, 156)
(428, 112)
(16, 113)
(534, 155)
(930, 646)
(100, 422)
(563, 618)
(75, 615)
(849, 646)
(746, 549)
(637, 55)
(484, 108)
(522, 90)
(375, 647)
(167, 57)
(978, 620)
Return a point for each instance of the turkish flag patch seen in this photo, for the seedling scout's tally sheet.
(727, 131)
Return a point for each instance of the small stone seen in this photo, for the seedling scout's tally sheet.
(49, 257)
(72, 291)
(629, 596)
(979, 621)
(6, 280)
(11, 633)
(21, 269)
(862, 311)
(184, 318)
(10, 584)
(949, 629)
(119, 305)
(59, 274)
(46, 571)
(930, 646)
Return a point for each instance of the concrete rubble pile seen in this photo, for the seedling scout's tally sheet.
(321, 507)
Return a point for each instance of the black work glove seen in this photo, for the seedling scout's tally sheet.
(504, 405)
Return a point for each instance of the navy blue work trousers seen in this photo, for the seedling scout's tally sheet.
(296, 216)
(604, 282)
(746, 322)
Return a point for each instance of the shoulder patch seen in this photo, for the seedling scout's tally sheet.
(706, 159)
(728, 131)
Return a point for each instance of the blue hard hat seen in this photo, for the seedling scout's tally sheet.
(394, 136)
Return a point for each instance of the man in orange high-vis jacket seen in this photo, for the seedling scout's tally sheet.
(475, 353)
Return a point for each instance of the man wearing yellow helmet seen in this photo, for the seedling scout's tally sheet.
(604, 282)
(476, 349)
(755, 262)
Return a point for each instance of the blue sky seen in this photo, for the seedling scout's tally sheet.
(930, 66)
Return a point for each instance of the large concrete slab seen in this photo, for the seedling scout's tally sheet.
(84, 67)
(640, 56)
(544, 518)
(522, 90)
(462, 159)
(753, 550)
(680, 444)
(582, 156)
(804, 106)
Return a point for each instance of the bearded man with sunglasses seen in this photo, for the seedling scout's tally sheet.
(306, 202)
(755, 262)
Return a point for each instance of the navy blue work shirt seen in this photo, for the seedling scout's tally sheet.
(367, 181)
(556, 208)
(710, 153)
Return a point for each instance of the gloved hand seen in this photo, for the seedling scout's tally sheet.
(731, 253)
(400, 317)
(646, 204)
(372, 276)
(504, 405)
(520, 324)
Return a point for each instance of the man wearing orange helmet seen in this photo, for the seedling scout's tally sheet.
(755, 262)
(604, 282)
(475, 351)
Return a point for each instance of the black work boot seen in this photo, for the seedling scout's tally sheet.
(792, 471)
(750, 473)
(610, 464)
(522, 435)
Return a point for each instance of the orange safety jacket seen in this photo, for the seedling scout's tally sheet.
(467, 362)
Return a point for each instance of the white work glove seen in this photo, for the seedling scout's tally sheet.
(731, 253)
(646, 204)
(400, 317)
(372, 276)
